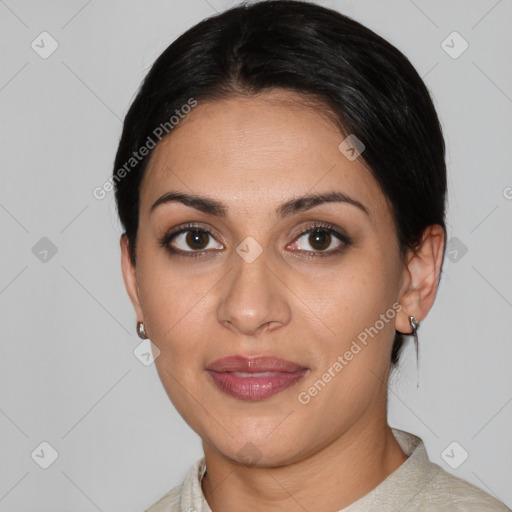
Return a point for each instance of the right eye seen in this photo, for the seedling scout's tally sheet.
(190, 240)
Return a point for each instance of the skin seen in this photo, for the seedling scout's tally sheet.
(252, 154)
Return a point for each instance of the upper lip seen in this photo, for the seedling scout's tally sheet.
(253, 364)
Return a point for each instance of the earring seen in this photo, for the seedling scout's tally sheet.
(141, 331)
(415, 324)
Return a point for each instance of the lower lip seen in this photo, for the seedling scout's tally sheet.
(255, 388)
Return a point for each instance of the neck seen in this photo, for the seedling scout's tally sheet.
(331, 479)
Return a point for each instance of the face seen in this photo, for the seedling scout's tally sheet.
(315, 282)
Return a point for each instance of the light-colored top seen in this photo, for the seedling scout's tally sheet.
(418, 485)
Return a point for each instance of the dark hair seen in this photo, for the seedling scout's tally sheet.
(371, 88)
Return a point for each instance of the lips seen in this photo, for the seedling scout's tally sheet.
(254, 378)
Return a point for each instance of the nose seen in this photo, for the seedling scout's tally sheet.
(253, 298)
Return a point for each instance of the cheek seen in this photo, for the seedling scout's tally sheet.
(174, 307)
(353, 354)
(356, 303)
(170, 294)
(352, 296)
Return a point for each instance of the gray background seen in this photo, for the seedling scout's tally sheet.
(68, 374)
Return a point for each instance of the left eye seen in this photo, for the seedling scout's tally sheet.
(318, 240)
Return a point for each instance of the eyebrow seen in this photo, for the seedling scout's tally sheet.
(295, 205)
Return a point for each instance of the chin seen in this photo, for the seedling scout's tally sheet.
(262, 450)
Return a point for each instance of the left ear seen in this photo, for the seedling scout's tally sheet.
(421, 278)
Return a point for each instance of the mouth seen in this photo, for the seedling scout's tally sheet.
(254, 378)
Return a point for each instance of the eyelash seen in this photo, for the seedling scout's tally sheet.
(317, 226)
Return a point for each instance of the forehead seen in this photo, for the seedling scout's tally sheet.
(258, 151)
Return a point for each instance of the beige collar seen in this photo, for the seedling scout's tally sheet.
(391, 495)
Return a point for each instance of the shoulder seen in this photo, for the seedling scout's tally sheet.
(450, 493)
(186, 496)
(167, 503)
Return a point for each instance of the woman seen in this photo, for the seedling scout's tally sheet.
(281, 182)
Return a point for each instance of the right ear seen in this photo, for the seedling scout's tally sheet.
(130, 277)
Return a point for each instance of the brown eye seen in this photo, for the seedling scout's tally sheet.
(190, 240)
(197, 239)
(320, 240)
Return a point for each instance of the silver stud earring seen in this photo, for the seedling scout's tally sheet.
(141, 331)
(415, 324)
